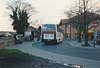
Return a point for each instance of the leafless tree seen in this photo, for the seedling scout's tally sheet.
(82, 14)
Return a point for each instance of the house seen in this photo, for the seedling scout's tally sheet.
(69, 31)
(63, 23)
(30, 33)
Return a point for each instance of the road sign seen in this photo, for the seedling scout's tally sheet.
(94, 24)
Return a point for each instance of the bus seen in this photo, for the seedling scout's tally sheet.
(51, 33)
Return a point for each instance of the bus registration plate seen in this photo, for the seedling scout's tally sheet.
(48, 40)
(48, 36)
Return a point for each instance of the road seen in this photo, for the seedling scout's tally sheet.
(65, 49)
(89, 58)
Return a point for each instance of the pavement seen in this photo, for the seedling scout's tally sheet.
(86, 63)
(78, 44)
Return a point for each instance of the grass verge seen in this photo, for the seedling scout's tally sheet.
(86, 45)
(5, 52)
(13, 51)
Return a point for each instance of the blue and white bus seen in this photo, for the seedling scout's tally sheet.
(51, 33)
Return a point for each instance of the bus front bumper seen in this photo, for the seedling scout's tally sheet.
(49, 41)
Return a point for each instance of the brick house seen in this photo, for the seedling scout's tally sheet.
(69, 31)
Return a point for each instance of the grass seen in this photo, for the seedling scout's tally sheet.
(86, 45)
(13, 51)
(6, 52)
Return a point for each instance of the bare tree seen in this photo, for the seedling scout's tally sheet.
(82, 14)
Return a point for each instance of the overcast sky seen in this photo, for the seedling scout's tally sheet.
(50, 11)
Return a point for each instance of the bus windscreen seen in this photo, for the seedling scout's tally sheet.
(50, 27)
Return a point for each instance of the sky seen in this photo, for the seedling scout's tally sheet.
(49, 11)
